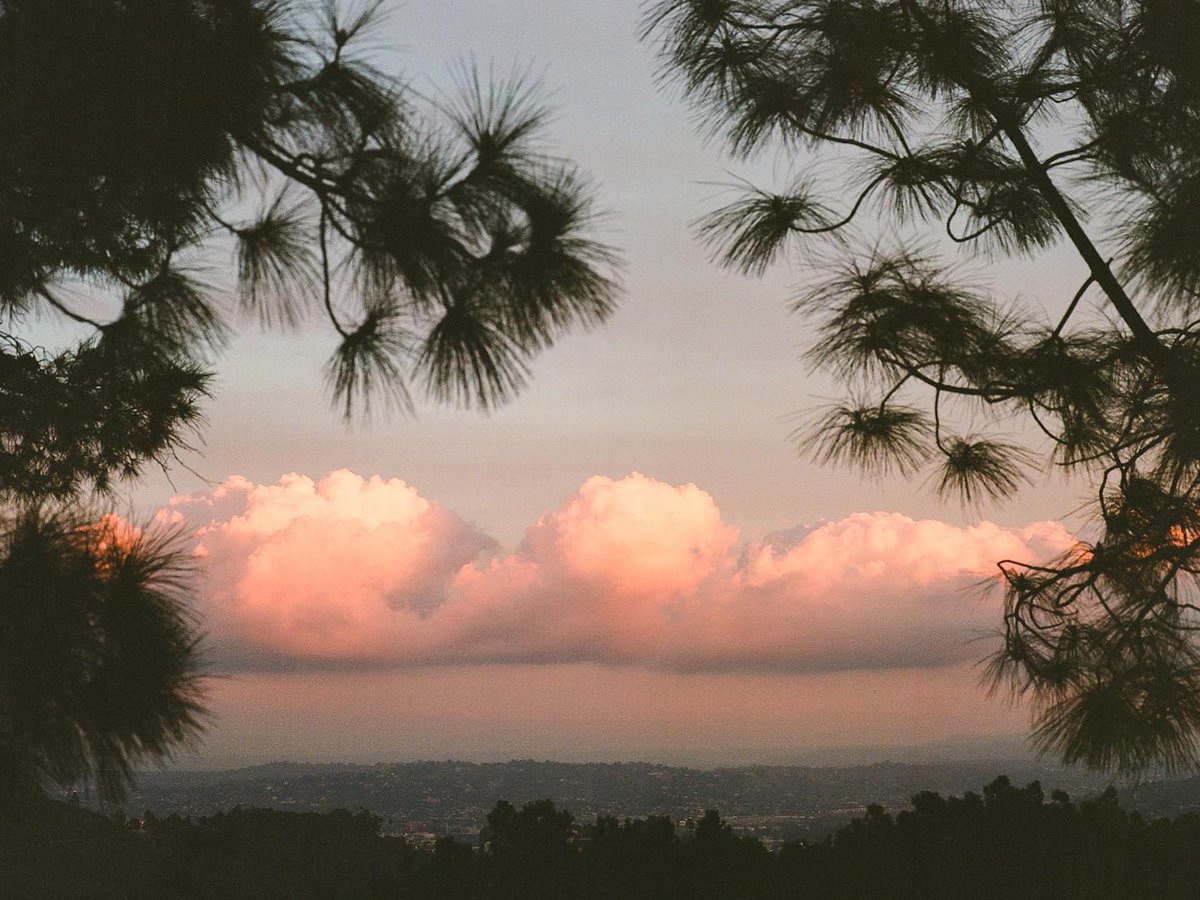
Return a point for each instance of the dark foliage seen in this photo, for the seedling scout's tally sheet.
(1008, 842)
(100, 669)
(444, 245)
(1007, 128)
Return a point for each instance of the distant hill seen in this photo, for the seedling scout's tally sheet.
(453, 797)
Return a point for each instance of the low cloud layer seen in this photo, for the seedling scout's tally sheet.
(357, 573)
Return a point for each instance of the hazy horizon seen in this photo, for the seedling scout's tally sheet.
(964, 749)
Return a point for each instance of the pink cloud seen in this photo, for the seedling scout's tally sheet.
(344, 568)
(629, 572)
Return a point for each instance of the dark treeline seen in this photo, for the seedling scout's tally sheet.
(1007, 842)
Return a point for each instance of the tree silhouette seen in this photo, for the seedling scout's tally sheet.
(443, 244)
(1011, 128)
(531, 848)
(441, 241)
(100, 665)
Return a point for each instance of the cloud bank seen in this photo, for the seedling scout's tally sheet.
(365, 573)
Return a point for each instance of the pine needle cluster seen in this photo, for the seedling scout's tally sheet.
(440, 240)
(1010, 128)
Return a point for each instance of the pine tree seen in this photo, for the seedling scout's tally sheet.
(1005, 128)
(141, 139)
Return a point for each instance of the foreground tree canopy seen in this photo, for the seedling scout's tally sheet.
(141, 141)
(1007, 842)
(100, 655)
(1008, 128)
(443, 245)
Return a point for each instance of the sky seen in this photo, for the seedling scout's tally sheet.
(630, 560)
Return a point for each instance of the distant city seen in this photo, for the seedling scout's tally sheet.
(426, 800)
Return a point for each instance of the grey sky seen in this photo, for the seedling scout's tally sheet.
(695, 379)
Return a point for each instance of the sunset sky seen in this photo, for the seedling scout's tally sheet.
(630, 561)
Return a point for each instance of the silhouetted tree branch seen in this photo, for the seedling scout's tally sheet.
(444, 244)
(989, 121)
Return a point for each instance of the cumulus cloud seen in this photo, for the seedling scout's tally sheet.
(633, 572)
(344, 568)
